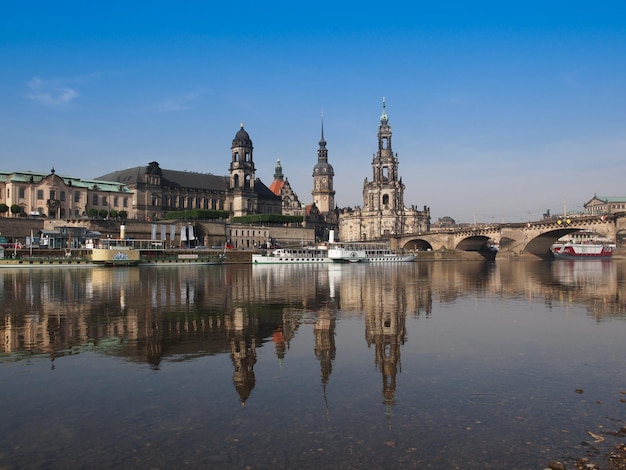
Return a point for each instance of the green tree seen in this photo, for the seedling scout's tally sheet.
(103, 213)
(16, 209)
(113, 214)
(92, 213)
(4, 208)
(123, 215)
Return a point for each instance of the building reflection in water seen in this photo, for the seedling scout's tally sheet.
(243, 355)
(149, 315)
(325, 349)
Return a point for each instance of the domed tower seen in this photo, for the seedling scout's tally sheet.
(242, 175)
(323, 173)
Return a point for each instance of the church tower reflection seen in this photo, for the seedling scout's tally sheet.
(385, 330)
(242, 353)
(325, 349)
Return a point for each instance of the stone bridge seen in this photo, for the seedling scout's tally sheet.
(532, 239)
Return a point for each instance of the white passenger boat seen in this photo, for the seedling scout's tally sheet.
(346, 253)
(293, 256)
(367, 252)
(336, 252)
(387, 255)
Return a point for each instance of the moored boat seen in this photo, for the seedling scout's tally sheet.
(582, 250)
(335, 252)
(346, 253)
(115, 252)
(387, 255)
(175, 259)
(293, 256)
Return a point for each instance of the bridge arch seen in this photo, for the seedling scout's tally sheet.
(417, 244)
(532, 238)
(474, 243)
(540, 245)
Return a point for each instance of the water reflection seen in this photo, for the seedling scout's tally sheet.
(248, 316)
(148, 313)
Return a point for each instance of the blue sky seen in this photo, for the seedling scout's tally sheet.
(499, 110)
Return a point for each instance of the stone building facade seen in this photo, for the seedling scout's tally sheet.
(63, 197)
(280, 186)
(383, 213)
(600, 205)
(158, 191)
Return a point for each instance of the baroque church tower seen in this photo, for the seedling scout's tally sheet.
(323, 173)
(383, 214)
(242, 175)
(385, 193)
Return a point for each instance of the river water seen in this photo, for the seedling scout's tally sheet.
(505, 365)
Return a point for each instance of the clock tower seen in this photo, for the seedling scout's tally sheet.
(323, 174)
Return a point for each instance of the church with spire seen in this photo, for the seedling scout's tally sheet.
(383, 213)
(323, 174)
(280, 187)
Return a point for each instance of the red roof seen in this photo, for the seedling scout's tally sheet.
(276, 186)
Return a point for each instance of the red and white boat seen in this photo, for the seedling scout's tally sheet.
(582, 250)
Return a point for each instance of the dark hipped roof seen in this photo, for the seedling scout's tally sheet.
(185, 179)
(171, 178)
(263, 192)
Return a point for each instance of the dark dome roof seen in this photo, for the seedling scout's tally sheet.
(323, 168)
(242, 139)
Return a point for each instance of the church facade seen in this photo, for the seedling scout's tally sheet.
(383, 213)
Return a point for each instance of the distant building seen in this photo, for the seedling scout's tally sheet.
(158, 191)
(280, 187)
(444, 222)
(63, 197)
(599, 205)
(383, 213)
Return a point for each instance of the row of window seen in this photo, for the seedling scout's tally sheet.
(105, 201)
(598, 209)
(189, 203)
(246, 233)
(96, 199)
